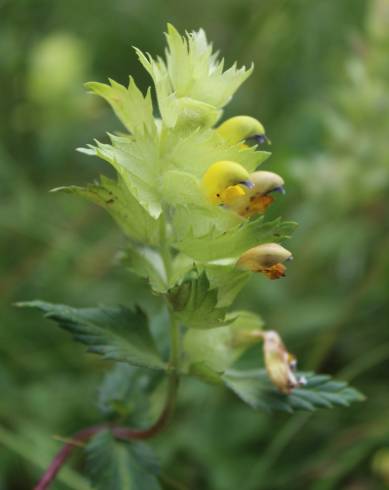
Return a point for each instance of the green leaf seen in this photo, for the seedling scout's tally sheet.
(125, 392)
(227, 280)
(191, 85)
(235, 241)
(182, 188)
(137, 162)
(133, 110)
(195, 303)
(194, 70)
(119, 465)
(147, 263)
(115, 198)
(195, 152)
(201, 370)
(218, 348)
(115, 390)
(181, 267)
(320, 391)
(116, 333)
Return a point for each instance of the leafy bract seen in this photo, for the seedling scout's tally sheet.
(227, 280)
(234, 241)
(136, 161)
(120, 465)
(218, 348)
(147, 263)
(196, 72)
(320, 391)
(196, 151)
(116, 333)
(191, 85)
(115, 198)
(129, 105)
(195, 303)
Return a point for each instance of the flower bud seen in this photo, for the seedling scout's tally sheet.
(258, 198)
(280, 364)
(267, 258)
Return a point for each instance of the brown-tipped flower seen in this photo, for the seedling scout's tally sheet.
(258, 198)
(280, 364)
(267, 258)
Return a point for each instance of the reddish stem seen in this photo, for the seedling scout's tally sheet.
(119, 432)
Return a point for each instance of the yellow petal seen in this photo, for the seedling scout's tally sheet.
(231, 193)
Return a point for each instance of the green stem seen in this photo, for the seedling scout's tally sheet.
(164, 247)
(129, 433)
(165, 250)
(174, 341)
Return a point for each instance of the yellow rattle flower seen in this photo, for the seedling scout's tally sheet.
(258, 198)
(243, 129)
(267, 258)
(224, 181)
(280, 364)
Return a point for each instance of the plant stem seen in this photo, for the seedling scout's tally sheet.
(119, 432)
(128, 433)
(174, 327)
(174, 341)
(63, 455)
(164, 247)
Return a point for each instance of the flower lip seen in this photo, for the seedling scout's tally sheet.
(247, 183)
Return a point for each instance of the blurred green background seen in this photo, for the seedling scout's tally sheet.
(321, 88)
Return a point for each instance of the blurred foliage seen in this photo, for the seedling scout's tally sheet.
(321, 88)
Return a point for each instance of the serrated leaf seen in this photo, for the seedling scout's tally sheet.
(147, 263)
(195, 304)
(210, 348)
(115, 198)
(235, 241)
(182, 188)
(227, 280)
(129, 105)
(115, 390)
(195, 152)
(192, 213)
(120, 465)
(191, 86)
(195, 71)
(116, 333)
(255, 389)
(181, 266)
(137, 162)
(125, 392)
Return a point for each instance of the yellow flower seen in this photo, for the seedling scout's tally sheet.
(224, 180)
(280, 364)
(258, 198)
(267, 258)
(242, 129)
